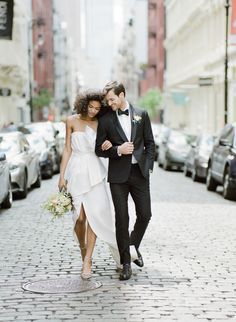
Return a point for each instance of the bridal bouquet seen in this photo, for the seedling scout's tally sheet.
(58, 204)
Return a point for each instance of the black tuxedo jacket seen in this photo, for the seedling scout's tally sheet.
(109, 128)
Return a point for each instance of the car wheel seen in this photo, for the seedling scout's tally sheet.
(49, 173)
(186, 171)
(211, 183)
(194, 175)
(227, 191)
(7, 203)
(23, 194)
(166, 165)
(58, 164)
(37, 183)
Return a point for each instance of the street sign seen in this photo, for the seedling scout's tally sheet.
(6, 19)
(5, 92)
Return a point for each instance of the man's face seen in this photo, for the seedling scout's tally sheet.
(115, 101)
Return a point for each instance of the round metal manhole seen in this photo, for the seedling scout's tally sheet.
(61, 285)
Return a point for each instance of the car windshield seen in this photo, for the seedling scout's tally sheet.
(36, 143)
(9, 145)
(178, 139)
(44, 128)
(207, 142)
(40, 127)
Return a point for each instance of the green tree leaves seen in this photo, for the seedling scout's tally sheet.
(151, 101)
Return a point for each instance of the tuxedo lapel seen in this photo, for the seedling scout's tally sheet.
(133, 124)
(119, 127)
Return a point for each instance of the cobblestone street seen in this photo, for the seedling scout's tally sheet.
(188, 250)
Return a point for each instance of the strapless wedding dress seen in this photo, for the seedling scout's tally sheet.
(86, 182)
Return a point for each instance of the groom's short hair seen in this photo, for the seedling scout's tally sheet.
(115, 86)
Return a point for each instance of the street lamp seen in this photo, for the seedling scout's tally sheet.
(226, 61)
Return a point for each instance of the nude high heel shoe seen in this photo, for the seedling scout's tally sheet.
(86, 271)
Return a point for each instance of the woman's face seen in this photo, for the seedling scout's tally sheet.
(93, 108)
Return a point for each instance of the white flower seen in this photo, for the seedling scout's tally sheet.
(58, 204)
(137, 118)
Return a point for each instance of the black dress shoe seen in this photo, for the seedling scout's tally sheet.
(126, 272)
(139, 261)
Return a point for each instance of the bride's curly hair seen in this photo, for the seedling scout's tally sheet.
(82, 102)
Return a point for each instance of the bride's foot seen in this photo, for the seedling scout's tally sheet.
(87, 268)
(83, 251)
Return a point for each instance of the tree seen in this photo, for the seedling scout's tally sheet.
(151, 101)
(44, 98)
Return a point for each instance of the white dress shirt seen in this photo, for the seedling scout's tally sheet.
(125, 122)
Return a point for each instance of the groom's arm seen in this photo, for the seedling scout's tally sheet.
(148, 140)
(101, 137)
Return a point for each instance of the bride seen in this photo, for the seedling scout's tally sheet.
(83, 174)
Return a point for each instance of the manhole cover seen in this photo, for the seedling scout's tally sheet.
(61, 285)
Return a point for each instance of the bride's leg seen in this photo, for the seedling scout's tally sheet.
(91, 240)
(80, 230)
(87, 265)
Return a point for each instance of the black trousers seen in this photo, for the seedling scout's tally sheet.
(139, 188)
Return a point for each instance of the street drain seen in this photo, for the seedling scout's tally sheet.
(61, 285)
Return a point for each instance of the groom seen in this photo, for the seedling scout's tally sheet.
(131, 159)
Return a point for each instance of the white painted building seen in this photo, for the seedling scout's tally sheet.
(195, 49)
(97, 42)
(14, 67)
(97, 30)
(132, 44)
(67, 23)
(64, 63)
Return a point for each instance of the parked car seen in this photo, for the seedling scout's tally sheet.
(24, 162)
(158, 138)
(156, 129)
(222, 163)
(46, 154)
(5, 180)
(50, 134)
(61, 128)
(173, 150)
(197, 159)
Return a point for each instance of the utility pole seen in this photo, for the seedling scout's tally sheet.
(226, 60)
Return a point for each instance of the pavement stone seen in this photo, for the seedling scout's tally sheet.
(189, 254)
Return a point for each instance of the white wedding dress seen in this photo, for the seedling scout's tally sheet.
(86, 182)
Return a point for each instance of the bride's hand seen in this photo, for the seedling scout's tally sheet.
(106, 145)
(61, 184)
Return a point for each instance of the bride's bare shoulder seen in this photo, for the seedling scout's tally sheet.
(72, 118)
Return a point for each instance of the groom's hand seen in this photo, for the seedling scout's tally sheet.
(126, 148)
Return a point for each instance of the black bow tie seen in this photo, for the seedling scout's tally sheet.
(125, 112)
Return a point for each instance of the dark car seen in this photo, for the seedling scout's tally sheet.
(5, 180)
(197, 159)
(173, 150)
(222, 163)
(46, 154)
(24, 162)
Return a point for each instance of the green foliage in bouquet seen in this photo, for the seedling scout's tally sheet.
(58, 204)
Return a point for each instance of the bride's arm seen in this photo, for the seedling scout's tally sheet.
(66, 153)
